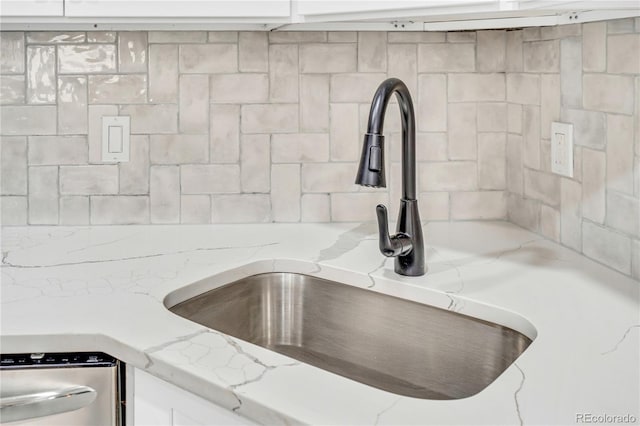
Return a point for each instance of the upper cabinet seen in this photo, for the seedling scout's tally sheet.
(178, 8)
(332, 7)
(32, 7)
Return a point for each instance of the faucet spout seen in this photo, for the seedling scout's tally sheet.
(407, 245)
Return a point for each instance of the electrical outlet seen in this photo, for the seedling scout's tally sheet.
(115, 139)
(562, 149)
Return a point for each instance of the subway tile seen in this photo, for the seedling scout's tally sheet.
(329, 177)
(164, 194)
(101, 36)
(119, 210)
(491, 50)
(620, 26)
(13, 172)
(623, 54)
(594, 46)
(208, 58)
(461, 36)
(283, 73)
(344, 132)
(163, 73)
(462, 144)
(315, 207)
(239, 88)
(89, 180)
(12, 89)
(149, 119)
(269, 118)
(179, 149)
(588, 127)
(403, 64)
(571, 214)
(542, 186)
(449, 176)
(434, 205)
(134, 174)
(608, 93)
(314, 103)
(478, 205)
(342, 36)
(492, 160)
(354, 87)
(96, 112)
(606, 246)
(43, 195)
(13, 210)
(241, 208)
(620, 153)
(571, 72)
(432, 102)
(194, 104)
(476, 87)
(372, 51)
(118, 89)
(623, 213)
(429, 146)
(593, 184)
(524, 212)
(550, 99)
(86, 58)
(132, 51)
(210, 179)
(55, 37)
(416, 37)
(41, 74)
(74, 210)
(328, 58)
(542, 56)
(635, 247)
(58, 150)
(28, 120)
(285, 192)
(297, 36)
(72, 105)
(255, 163)
(13, 49)
(531, 136)
(177, 37)
(224, 134)
(523, 88)
(550, 222)
(357, 207)
(439, 57)
(514, 118)
(492, 117)
(195, 209)
(560, 31)
(253, 51)
(300, 148)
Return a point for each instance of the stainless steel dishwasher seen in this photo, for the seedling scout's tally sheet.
(70, 389)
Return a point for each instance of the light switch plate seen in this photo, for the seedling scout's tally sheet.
(562, 149)
(115, 139)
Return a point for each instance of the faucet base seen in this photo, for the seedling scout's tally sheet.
(412, 264)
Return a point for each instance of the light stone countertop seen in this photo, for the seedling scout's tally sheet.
(104, 288)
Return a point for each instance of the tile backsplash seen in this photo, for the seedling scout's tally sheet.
(267, 127)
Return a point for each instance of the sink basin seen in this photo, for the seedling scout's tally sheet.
(393, 344)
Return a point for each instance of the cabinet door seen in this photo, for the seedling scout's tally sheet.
(158, 403)
(326, 7)
(31, 7)
(178, 8)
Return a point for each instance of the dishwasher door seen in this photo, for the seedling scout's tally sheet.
(60, 389)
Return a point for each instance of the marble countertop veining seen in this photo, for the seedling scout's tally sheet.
(104, 288)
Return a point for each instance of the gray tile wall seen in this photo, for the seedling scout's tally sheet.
(587, 75)
(234, 127)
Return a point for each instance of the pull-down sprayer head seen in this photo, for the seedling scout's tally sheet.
(371, 171)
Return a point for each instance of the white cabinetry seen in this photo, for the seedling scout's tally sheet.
(31, 7)
(158, 403)
(178, 8)
(325, 7)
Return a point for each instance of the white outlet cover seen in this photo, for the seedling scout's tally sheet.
(115, 139)
(562, 148)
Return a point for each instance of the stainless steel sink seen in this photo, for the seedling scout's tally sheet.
(392, 344)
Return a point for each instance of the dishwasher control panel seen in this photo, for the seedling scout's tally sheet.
(56, 359)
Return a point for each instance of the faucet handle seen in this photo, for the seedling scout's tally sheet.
(391, 246)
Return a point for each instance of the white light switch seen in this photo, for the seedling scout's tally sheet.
(115, 139)
(562, 149)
